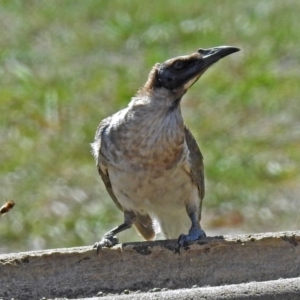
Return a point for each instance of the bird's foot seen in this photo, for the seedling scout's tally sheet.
(107, 241)
(185, 240)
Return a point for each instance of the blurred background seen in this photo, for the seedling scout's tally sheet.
(66, 65)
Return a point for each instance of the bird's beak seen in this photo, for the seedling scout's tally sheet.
(207, 58)
(212, 55)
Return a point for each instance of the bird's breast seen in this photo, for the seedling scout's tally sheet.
(148, 144)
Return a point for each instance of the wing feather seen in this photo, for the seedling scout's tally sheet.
(196, 165)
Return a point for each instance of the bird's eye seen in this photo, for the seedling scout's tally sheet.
(178, 65)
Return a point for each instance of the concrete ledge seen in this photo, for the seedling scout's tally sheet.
(80, 273)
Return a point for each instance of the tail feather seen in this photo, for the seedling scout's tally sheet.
(144, 226)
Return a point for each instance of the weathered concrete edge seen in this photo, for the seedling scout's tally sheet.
(79, 272)
(288, 289)
(168, 244)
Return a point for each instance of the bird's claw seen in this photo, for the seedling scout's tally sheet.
(107, 241)
(185, 240)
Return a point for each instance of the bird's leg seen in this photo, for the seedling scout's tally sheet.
(109, 239)
(195, 233)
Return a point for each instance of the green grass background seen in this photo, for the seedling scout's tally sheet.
(65, 65)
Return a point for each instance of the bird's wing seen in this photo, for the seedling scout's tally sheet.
(105, 178)
(143, 223)
(196, 165)
(100, 158)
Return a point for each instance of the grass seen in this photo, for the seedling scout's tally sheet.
(65, 65)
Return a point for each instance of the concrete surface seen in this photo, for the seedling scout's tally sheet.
(283, 289)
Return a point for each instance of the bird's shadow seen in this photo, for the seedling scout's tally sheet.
(172, 245)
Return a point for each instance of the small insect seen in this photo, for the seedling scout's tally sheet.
(7, 207)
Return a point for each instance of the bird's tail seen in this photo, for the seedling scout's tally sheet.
(144, 226)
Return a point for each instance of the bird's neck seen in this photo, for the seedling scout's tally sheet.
(153, 133)
(158, 121)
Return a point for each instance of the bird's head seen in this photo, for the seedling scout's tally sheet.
(178, 74)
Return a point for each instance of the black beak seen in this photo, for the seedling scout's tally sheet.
(212, 55)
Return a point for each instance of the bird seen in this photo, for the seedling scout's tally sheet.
(148, 159)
